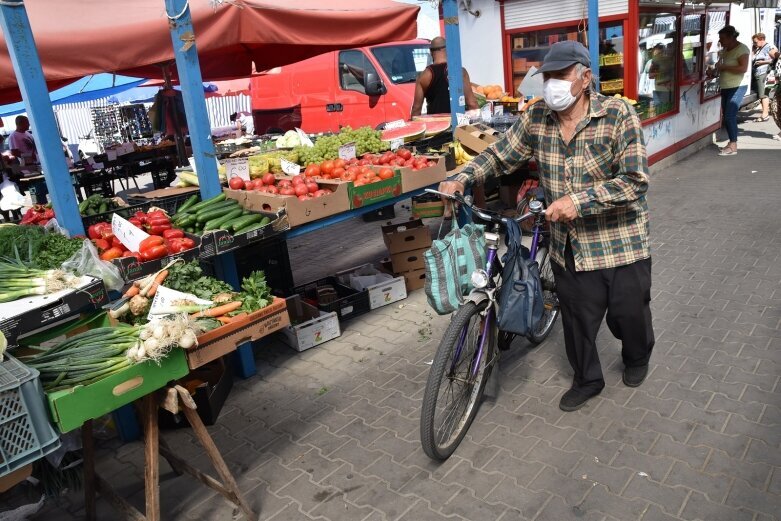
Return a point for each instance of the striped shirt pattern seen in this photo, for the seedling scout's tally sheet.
(603, 169)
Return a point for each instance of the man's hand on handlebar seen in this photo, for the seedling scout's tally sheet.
(450, 187)
(562, 210)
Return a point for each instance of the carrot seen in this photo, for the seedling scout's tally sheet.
(156, 283)
(218, 311)
(225, 320)
(240, 316)
(132, 291)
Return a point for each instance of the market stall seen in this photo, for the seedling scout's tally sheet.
(172, 317)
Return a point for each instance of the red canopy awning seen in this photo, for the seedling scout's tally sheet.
(80, 37)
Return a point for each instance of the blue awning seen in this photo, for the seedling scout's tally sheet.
(88, 88)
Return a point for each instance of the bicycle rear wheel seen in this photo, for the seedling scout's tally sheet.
(452, 397)
(551, 309)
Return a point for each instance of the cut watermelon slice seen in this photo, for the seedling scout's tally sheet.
(437, 126)
(409, 132)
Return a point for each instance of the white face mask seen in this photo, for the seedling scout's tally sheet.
(558, 94)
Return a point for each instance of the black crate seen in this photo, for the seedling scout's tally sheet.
(209, 396)
(348, 302)
(268, 255)
(169, 204)
(123, 211)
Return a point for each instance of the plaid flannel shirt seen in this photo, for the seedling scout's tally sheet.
(603, 169)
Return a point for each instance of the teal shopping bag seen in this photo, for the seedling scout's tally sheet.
(450, 263)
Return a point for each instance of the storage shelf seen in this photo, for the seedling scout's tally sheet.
(536, 48)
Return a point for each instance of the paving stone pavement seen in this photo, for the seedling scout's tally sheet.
(332, 433)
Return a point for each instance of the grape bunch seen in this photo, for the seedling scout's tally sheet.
(366, 140)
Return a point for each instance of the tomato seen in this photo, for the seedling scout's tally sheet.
(385, 173)
(154, 252)
(301, 189)
(129, 253)
(404, 153)
(386, 158)
(272, 189)
(287, 190)
(312, 187)
(305, 197)
(111, 253)
(236, 183)
(188, 243)
(359, 182)
(173, 234)
(312, 170)
(284, 183)
(101, 244)
(432, 163)
(327, 167)
(321, 193)
(374, 180)
(339, 163)
(398, 161)
(349, 175)
(268, 179)
(150, 242)
(262, 189)
(298, 179)
(337, 173)
(367, 178)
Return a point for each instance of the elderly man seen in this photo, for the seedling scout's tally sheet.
(593, 168)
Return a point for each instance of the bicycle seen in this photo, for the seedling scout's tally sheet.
(472, 343)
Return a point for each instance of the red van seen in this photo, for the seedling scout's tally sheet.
(355, 87)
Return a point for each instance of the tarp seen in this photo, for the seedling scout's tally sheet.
(76, 38)
(89, 88)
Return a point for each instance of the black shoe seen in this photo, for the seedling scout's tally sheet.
(634, 376)
(573, 400)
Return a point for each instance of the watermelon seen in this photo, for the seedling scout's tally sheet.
(410, 132)
(437, 126)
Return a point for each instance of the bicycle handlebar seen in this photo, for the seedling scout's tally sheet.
(535, 208)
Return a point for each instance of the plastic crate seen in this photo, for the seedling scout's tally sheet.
(25, 432)
(168, 204)
(124, 211)
(611, 86)
(611, 59)
(331, 296)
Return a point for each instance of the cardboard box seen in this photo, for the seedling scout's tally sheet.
(427, 209)
(476, 137)
(382, 288)
(309, 327)
(415, 279)
(406, 236)
(132, 269)
(298, 212)
(217, 242)
(218, 342)
(13, 478)
(408, 260)
(21, 317)
(365, 195)
(414, 179)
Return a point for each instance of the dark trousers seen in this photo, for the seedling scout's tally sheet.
(625, 294)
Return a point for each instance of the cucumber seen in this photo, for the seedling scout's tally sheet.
(190, 229)
(243, 222)
(193, 199)
(219, 222)
(83, 205)
(207, 202)
(221, 204)
(189, 221)
(249, 228)
(103, 207)
(219, 212)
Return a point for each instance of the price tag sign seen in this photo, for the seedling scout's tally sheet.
(347, 151)
(499, 110)
(111, 155)
(462, 101)
(485, 113)
(396, 143)
(237, 167)
(399, 123)
(462, 119)
(127, 233)
(165, 298)
(290, 167)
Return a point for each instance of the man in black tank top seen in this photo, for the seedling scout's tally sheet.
(432, 84)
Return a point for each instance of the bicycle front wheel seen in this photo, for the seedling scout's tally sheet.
(452, 396)
(550, 312)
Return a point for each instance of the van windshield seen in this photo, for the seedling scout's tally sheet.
(403, 63)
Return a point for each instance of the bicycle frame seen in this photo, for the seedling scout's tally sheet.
(488, 321)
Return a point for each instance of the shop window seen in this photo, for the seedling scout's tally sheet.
(353, 67)
(714, 22)
(691, 48)
(530, 48)
(657, 64)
